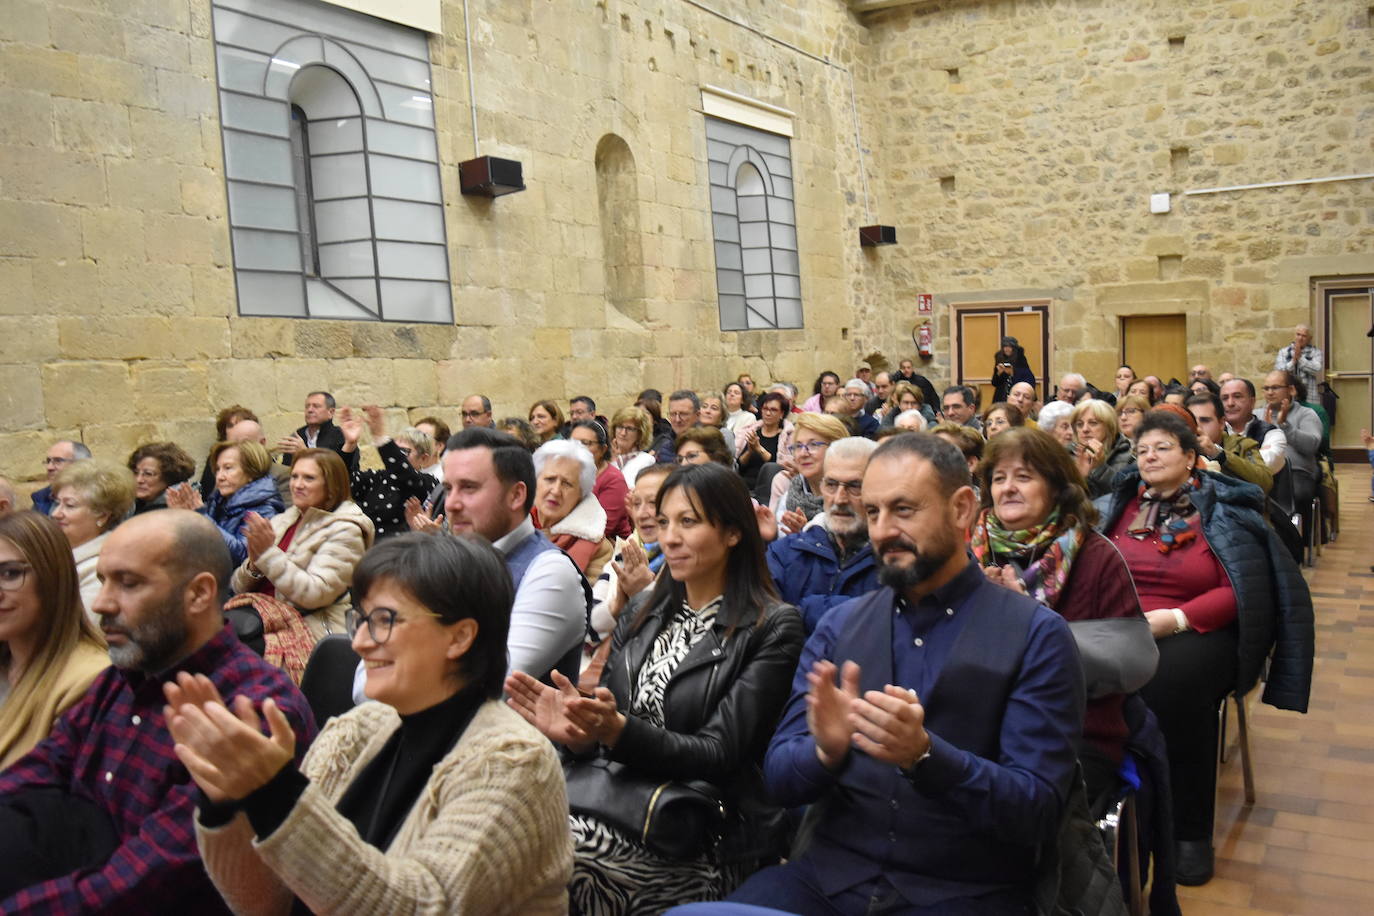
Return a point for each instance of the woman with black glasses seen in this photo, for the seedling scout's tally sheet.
(436, 798)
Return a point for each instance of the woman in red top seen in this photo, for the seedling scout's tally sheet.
(610, 488)
(1035, 535)
(1192, 539)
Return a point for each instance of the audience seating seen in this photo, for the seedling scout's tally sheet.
(328, 679)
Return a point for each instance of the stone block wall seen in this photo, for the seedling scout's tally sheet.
(1019, 143)
(118, 321)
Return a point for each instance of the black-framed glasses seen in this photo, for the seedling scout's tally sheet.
(832, 486)
(796, 448)
(379, 623)
(473, 414)
(12, 576)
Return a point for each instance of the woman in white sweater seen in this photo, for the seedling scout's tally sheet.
(307, 554)
(434, 799)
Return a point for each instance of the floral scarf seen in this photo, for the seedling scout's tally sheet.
(1169, 517)
(1048, 550)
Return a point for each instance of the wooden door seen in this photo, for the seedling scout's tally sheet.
(1348, 314)
(979, 331)
(1156, 345)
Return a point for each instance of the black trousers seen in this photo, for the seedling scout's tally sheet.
(47, 833)
(1196, 672)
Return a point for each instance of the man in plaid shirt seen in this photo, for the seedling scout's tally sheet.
(165, 575)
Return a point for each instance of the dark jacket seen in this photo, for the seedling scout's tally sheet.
(807, 571)
(258, 496)
(382, 494)
(1119, 458)
(720, 705)
(1273, 605)
(1020, 372)
(43, 501)
(928, 392)
(330, 436)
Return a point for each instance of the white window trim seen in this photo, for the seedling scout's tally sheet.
(741, 109)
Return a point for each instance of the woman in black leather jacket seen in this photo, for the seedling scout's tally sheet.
(697, 676)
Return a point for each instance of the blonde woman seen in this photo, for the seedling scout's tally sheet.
(632, 431)
(49, 651)
(797, 489)
(90, 498)
(1099, 449)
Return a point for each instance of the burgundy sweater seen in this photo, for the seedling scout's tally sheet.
(1100, 587)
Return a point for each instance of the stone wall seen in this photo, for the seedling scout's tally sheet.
(1014, 145)
(118, 321)
(1051, 123)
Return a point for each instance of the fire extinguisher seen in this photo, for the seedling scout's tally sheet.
(923, 340)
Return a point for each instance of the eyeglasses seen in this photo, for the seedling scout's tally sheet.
(796, 448)
(831, 486)
(12, 576)
(690, 457)
(55, 462)
(627, 428)
(147, 475)
(1127, 411)
(379, 623)
(1143, 451)
(681, 414)
(473, 414)
(403, 450)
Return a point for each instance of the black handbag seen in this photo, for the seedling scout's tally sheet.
(672, 818)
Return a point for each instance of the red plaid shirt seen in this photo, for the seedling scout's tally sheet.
(113, 747)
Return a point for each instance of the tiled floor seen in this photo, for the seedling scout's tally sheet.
(1307, 845)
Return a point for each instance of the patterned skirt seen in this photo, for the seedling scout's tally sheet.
(615, 876)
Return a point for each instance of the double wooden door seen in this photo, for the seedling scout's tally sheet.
(980, 329)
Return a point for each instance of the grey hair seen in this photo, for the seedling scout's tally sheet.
(857, 383)
(420, 440)
(79, 450)
(684, 394)
(850, 448)
(912, 414)
(786, 388)
(1051, 413)
(568, 448)
(1076, 377)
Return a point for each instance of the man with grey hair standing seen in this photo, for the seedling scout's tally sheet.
(830, 560)
(60, 454)
(1302, 359)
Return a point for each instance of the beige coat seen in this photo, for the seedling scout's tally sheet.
(488, 834)
(314, 572)
(86, 557)
(78, 671)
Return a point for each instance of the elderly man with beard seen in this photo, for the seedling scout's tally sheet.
(98, 817)
(933, 724)
(830, 560)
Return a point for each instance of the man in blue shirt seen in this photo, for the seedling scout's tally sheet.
(830, 560)
(940, 760)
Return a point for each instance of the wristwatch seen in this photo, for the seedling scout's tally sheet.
(910, 771)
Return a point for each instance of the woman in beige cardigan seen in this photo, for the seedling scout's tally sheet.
(49, 651)
(307, 554)
(434, 799)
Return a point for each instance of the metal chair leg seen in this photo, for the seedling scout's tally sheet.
(1136, 899)
(1243, 734)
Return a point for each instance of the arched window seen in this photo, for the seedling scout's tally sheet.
(331, 163)
(758, 272)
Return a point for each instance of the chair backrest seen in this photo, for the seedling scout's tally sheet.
(328, 679)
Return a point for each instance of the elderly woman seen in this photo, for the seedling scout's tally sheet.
(305, 556)
(436, 798)
(243, 485)
(703, 445)
(796, 496)
(765, 440)
(565, 504)
(1130, 410)
(1220, 592)
(90, 498)
(1099, 449)
(632, 432)
(670, 709)
(712, 413)
(546, 419)
(1035, 535)
(225, 420)
(157, 466)
(610, 488)
(382, 493)
(49, 650)
(1001, 417)
(1056, 418)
